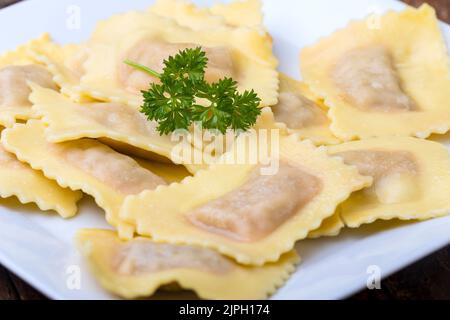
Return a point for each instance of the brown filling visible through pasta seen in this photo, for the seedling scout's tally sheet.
(298, 112)
(258, 207)
(368, 78)
(143, 256)
(394, 173)
(152, 54)
(14, 89)
(110, 167)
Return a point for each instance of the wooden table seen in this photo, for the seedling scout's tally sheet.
(426, 279)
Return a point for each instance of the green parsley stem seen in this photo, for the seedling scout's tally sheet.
(143, 68)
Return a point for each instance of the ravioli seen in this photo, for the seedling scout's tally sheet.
(66, 65)
(187, 14)
(86, 165)
(147, 38)
(234, 14)
(215, 144)
(390, 79)
(301, 113)
(234, 209)
(245, 13)
(240, 13)
(16, 69)
(330, 227)
(411, 179)
(139, 267)
(29, 186)
(21, 56)
(168, 171)
(117, 125)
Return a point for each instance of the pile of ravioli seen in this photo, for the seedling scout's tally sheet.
(353, 147)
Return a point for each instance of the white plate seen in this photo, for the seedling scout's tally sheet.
(39, 247)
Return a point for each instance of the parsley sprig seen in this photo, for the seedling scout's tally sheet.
(183, 96)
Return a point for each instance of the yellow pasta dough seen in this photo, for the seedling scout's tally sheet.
(139, 267)
(146, 38)
(234, 14)
(168, 171)
(117, 125)
(240, 13)
(245, 13)
(65, 62)
(21, 55)
(389, 78)
(215, 144)
(243, 211)
(128, 130)
(411, 179)
(86, 165)
(299, 111)
(187, 14)
(16, 69)
(330, 227)
(30, 186)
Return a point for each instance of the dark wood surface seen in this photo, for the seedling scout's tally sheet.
(426, 279)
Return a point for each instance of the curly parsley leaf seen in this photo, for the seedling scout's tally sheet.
(246, 110)
(183, 97)
(225, 108)
(188, 64)
(169, 105)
